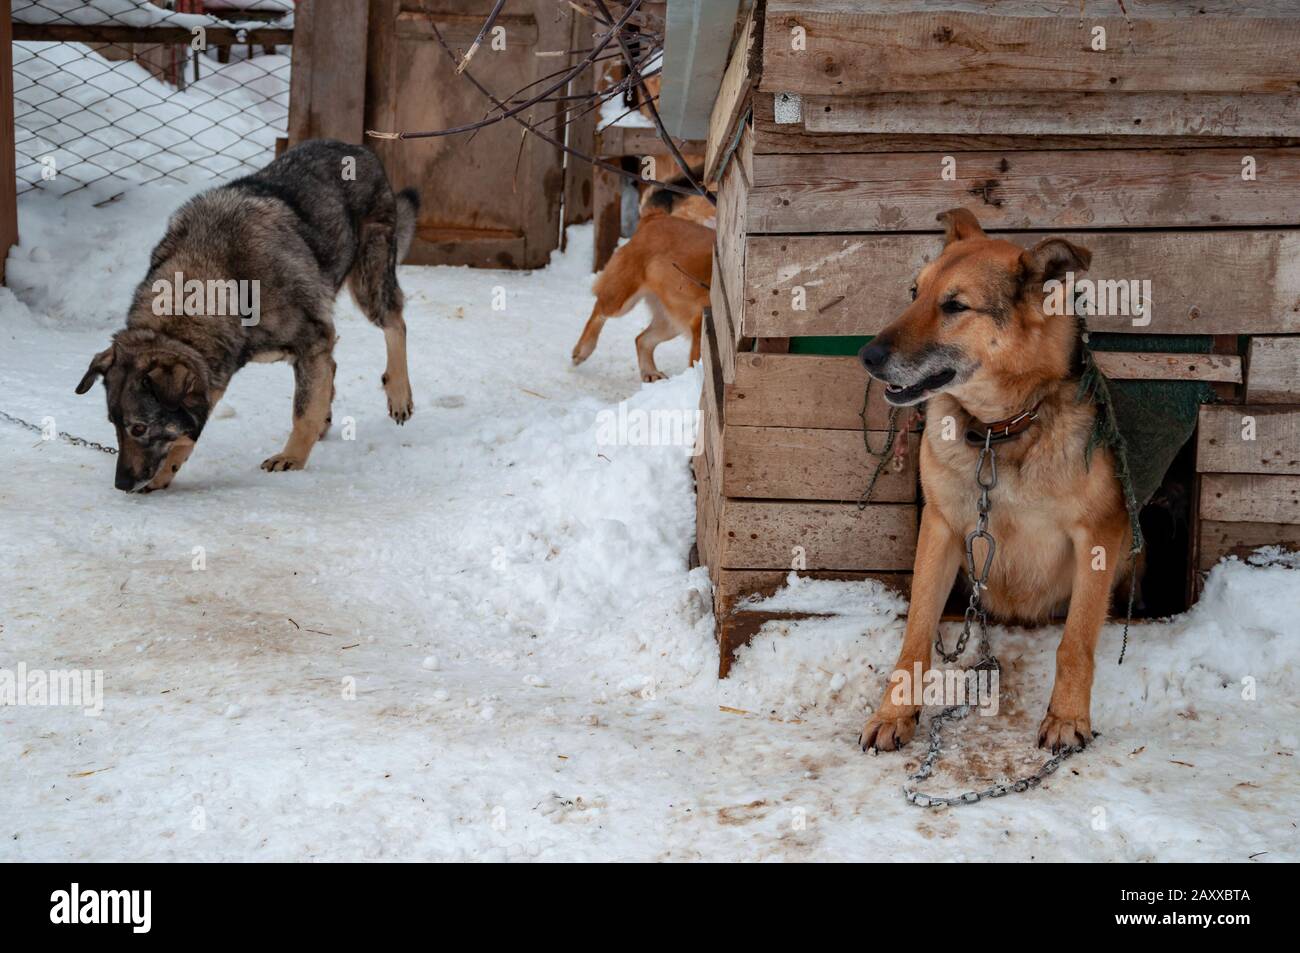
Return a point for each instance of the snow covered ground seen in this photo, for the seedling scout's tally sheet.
(476, 637)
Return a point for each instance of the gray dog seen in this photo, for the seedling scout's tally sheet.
(249, 272)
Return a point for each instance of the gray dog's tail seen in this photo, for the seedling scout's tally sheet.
(408, 206)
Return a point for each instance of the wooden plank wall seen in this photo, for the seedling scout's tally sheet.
(885, 46)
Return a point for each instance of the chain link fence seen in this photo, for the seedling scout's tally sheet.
(130, 91)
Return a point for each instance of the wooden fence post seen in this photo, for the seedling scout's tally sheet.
(8, 170)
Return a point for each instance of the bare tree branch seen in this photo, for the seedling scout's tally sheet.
(545, 137)
(508, 113)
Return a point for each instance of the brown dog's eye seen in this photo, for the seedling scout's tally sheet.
(953, 307)
(137, 430)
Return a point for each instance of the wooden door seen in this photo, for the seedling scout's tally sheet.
(490, 199)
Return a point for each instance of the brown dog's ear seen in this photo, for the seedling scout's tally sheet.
(959, 223)
(177, 386)
(1050, 259)
(99, 365)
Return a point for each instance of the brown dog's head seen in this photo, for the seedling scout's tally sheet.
(156, 395)
(976, 318)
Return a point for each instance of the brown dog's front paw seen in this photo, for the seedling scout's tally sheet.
(889, 729)
(1058, 734)
(581, 351)
(283, 461)
(649, 377)
(162, 480)
(400, 405)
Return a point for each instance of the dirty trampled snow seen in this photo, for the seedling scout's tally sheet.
(476, 637)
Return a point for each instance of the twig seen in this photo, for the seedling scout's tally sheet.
(473, 47)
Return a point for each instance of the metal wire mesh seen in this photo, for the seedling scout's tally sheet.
(131, 91)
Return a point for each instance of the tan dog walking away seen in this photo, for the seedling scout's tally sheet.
(668, 263)
(978, 348)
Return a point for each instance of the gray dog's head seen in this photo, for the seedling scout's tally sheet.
(157, 394)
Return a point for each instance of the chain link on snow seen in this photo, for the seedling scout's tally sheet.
(75, 441)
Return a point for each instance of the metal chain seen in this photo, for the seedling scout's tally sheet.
(978, 576)
(986, 478)
(75, 441)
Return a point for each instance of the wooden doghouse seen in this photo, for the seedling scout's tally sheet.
(1164, 139)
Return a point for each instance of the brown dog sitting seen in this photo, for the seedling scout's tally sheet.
(977, 346)
(668, 263)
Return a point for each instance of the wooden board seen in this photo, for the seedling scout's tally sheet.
(579, 194)
(706, 515)
(618, 141)
(1273, 367)
(802, 464)
(1248, 498)
(711, 397)
(1202, 282)
(1172, 366)
(327, 86)
(820, 393)
(735, 586)
(772, 535)
(1025, 190)
(1222, 445)
(736, 626)
(888, 46)
(730, 242)
(718, 315)
(607, 212)
(1037, 113)
(1219, 539)
(802, 390)
(8, 172)
(769, 137)
(731, 102)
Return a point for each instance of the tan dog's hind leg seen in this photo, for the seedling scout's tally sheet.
(1068, 723)
(590, 334)
(938, 556)
(695, 338)
(397, 379)
(313, 380)
(660, 329)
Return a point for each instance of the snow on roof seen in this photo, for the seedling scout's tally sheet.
(142, 13)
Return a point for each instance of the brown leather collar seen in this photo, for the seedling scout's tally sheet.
(1009, 429)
